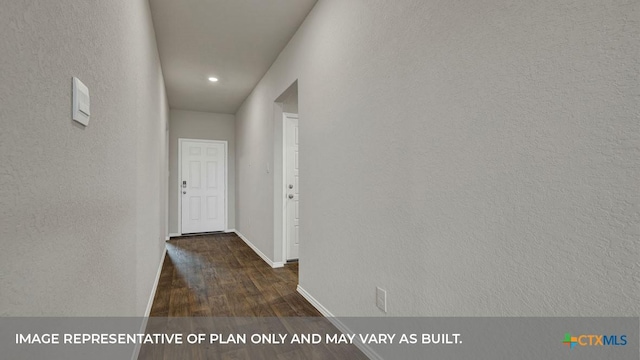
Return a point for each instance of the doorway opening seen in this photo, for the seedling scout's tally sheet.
(286, 177)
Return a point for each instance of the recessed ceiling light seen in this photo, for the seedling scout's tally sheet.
(213, 79)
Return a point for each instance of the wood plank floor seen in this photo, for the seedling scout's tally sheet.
(219, 275)
(213, 284)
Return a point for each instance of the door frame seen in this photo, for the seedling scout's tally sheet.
(226, 176)
(285, 240)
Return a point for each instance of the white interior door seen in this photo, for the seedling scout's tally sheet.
(203, 185)
(292, 191)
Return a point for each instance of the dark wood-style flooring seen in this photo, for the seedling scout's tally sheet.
(219, 275)
(214, 284)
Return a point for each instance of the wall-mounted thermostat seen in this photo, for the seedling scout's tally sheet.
(81, 105)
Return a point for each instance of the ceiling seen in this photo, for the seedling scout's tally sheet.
(235, 41)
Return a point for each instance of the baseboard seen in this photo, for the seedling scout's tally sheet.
(174, 235)
(155, 284)
(231, 231)
(366, 350)
(316, 304)
(147, 312)
(260, 253)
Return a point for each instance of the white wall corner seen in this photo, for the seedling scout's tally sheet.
(264, 257)
(366, 349)
(174, 235)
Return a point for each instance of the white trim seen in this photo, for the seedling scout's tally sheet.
(285, 243)
(174, 235)
(226, 179)
(167, 178)
(167, 238)
(147, 312)
(179, 187)
(231, 231)
(366, 349)
(264, 257)
(155, 284)
(226, 184)
(316, 304)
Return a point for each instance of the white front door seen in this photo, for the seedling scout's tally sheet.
(292, 190)
(203, 185)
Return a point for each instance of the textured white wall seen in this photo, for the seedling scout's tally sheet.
(199, 125)
(82, 216)
(473, 158)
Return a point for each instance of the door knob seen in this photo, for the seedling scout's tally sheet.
(290, 196)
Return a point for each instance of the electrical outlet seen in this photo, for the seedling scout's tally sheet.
(381, 299)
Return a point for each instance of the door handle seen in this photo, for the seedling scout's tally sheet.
(290, 196)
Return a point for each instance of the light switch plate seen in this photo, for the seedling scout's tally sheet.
(81, 102)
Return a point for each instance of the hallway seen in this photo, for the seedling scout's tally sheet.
(219, 275)
(453, 158)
